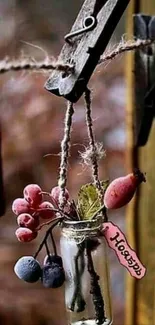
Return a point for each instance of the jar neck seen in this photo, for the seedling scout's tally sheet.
(81, 230)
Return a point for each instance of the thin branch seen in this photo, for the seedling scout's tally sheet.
(95, 289)
(47, 223)
(45, 238)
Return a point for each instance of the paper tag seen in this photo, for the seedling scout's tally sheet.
(126, 255)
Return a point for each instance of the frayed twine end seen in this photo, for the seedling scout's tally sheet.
(88, 155)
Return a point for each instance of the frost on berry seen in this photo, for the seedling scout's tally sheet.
(25, 234)
(46, 210)
(52, 276)
(53, 260)
(21, 206)
(26, 220)
(55, 193)
(28, 269)
(33, 194)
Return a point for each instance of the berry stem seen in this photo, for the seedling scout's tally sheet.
(46, 193)
(103, 210)
(45, 238)
(47, 249)
(51, 198)
(53, 243)
(49, 222)
(139, 175)
(64, 214)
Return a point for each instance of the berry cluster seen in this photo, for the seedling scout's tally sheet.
(51, 273)
(32, 210)
(32, 213)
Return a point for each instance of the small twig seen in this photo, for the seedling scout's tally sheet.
(65, 146)
(95, 290)
(125, 47)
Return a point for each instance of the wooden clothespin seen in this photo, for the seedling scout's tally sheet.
(84, 45)
(144, 69)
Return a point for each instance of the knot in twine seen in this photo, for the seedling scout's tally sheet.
(91, 154)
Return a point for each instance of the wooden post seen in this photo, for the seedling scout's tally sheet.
(140, 294)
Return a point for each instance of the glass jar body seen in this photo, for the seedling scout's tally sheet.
(87, 291)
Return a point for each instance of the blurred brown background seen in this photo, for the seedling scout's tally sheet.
(32, 126)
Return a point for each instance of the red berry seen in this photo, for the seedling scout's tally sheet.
(122, 189)
(33, 194)
(55, 193)
(26, 220)
(20, 206)
(46, 210)
(25, 234)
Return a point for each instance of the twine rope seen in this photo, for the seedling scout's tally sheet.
(123, 47)
(65, 147)
(31, 64)
(48, 64)
(92, 143)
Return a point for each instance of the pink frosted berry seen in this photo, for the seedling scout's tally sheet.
(122, 189)
(25, 234)
(21, 206)
(46, 210)
(33, 194)
(26, 220)
(55, 193)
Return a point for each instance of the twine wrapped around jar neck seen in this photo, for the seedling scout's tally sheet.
(81, 230)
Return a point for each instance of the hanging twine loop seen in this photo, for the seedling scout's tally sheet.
(94, 153)
(65, 147)
(95, 149)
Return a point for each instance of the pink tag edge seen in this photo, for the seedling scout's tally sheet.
(113, 224)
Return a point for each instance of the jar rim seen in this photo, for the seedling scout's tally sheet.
(81, 229)
(82, 222)
(82, 225)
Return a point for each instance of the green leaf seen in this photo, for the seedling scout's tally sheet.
(88, 200)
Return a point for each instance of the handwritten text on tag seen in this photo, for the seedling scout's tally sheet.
(126, 255)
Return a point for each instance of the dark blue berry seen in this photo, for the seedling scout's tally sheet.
(53, 259)
(53, 276)
(28, 269)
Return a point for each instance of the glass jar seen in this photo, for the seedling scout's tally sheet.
(87, 292)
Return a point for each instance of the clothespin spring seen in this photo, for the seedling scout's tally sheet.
(89, 23)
